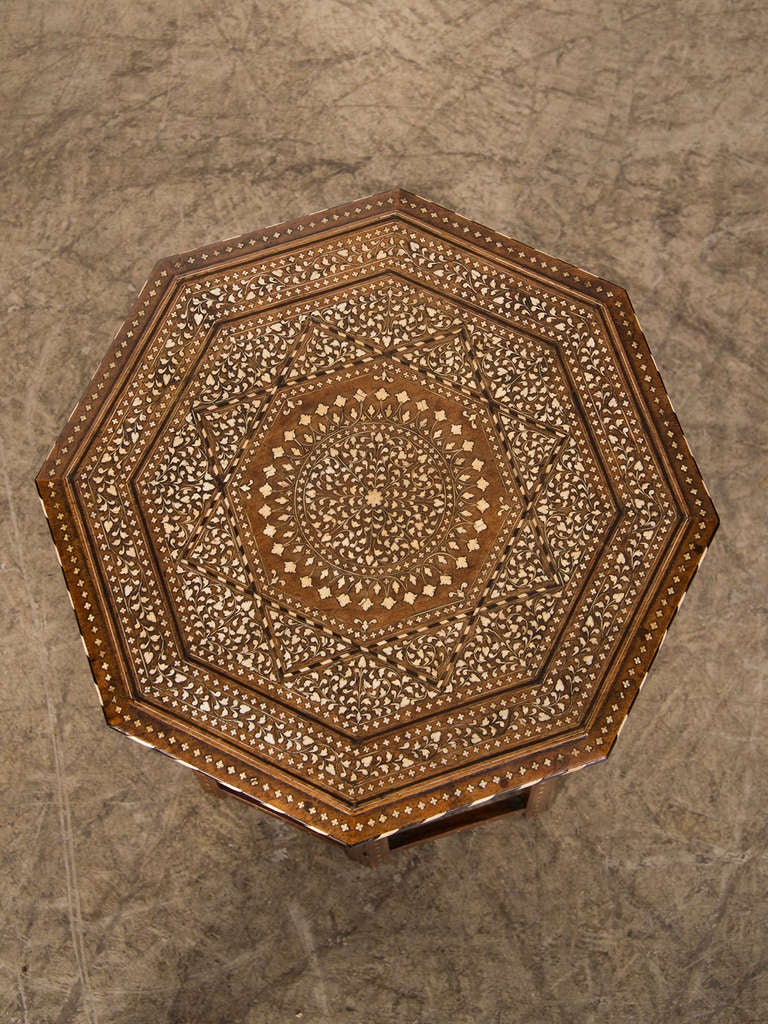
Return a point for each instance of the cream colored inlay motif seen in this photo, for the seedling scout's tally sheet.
(375, 499)
(518, 637)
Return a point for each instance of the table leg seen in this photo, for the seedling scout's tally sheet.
(372, 853)
(541, 795)
(210, 785)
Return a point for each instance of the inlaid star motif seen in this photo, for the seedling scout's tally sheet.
(375, 514)
(365, 505)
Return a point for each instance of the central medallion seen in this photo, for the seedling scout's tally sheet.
(373, 497)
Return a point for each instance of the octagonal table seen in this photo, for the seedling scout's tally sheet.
(376, 519)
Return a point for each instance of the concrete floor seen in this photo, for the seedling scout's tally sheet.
(628, 138)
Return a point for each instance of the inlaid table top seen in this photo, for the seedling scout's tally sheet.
(375, 515)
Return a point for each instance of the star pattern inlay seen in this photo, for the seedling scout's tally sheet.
(377, 513)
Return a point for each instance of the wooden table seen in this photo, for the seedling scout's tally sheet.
(376, 519)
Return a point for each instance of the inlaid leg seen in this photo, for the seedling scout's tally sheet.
(541, 795)
(210, 785)
(372, 853)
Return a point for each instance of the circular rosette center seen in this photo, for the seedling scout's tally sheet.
(374, 498)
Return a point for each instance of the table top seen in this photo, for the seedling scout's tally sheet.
(375, 515)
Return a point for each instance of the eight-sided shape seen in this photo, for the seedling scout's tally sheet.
(375, 516)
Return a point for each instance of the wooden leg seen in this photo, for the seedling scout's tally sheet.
(210, 785)
(541, 795)
(372, 853)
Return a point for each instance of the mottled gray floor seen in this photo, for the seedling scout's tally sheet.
(628, 138)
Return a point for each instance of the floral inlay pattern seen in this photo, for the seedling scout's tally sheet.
(375, 499)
